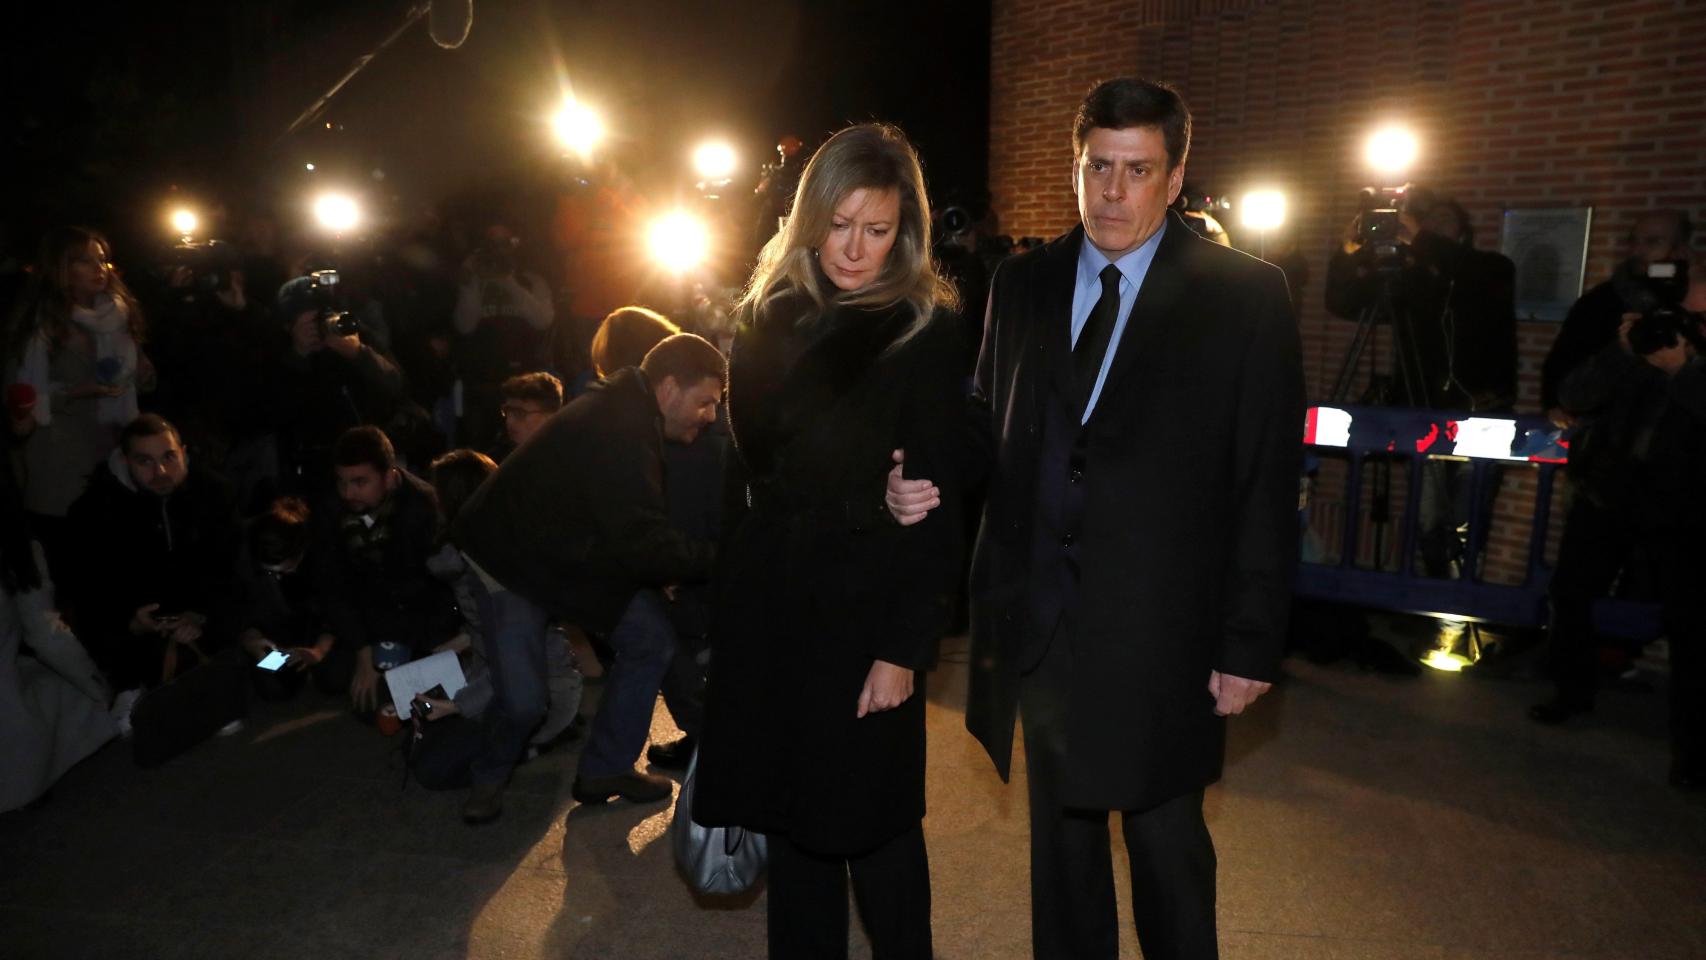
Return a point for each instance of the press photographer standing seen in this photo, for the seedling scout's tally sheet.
(1638, 464)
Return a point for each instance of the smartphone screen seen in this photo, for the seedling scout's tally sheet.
(274, 660)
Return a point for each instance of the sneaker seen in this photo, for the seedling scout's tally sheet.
(123, 704)
(231, 729)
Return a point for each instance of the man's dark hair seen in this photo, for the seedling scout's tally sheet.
(281, 534)
(1130, 102)
(538, 387)
(626, 336)
(687, 358)
(146, 425)
(456, 476)
(365, 445)
(1680, 222)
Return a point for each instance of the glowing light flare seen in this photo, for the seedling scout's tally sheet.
(679, 241)
(1445, 661)
(1262, 210)
(336, 212)
(714, 160)
(1391, 151)
(184, 221)
(578, 127)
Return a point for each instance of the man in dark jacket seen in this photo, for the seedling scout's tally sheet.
(376, 593)
(157, 541)
(575, 524)
(1141, 390)
(319, 384)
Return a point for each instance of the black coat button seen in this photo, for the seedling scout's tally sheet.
(1077, 475)
(1066, 541)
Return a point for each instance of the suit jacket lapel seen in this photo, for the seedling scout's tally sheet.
(1051, 312)
(1163, 288)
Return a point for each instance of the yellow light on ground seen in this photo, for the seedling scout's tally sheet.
(578, 127)
(714, 160)
(1262, 210)
(679, 241)
(185, 221)
(1391, 151)
(336, 212)
(1445, 661)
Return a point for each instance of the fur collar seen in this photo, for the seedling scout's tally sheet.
(788, 368)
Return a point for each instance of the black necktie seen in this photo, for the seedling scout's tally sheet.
(1093, 339)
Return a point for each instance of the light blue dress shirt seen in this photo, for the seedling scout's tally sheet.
(1133, 267)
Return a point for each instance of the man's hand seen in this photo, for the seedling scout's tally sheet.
(255, 643)
(1561, 418)
(143, 622)
(348, 347)
(1670, 359)
(440, 708)
(887, 686)
(188, 629)
(1233, 694)
(909, 501)
(1623, 331)
(301, 658)
(364, 686)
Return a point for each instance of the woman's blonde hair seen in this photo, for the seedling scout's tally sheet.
(870, 156)
(45, 308)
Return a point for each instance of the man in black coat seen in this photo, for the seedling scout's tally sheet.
(380, 604)
(1141, 393)
(156, 544)
(575, 524)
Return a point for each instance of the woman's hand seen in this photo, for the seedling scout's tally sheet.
(887, 686)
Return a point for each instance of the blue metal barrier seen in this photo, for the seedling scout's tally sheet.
(1371, 435)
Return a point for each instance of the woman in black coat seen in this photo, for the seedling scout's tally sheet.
(827, 609)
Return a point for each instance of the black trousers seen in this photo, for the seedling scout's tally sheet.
(1596, 544)
(808, 900)
(1073, 914)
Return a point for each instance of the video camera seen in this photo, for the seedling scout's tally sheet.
(197, 269)
(323, 291)
(1658, 297)
(1379, 228)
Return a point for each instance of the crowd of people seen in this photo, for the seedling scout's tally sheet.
(367, 473)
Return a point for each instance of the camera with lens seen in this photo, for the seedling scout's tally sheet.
(323, 290)
(1379, 229)
(197, 269)
(1657, 296)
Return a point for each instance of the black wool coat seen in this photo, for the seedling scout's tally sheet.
(816, 582)
(575, 520)
(1188, 544)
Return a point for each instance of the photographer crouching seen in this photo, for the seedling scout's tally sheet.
(1638, 463)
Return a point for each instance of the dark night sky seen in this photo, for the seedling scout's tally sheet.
(105, 112)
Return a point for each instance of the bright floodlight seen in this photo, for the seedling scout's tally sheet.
(577, 127)
(679, 241)
(185, 221)
(1263, 210)
(336, 212)
(714, 160)
(1391, 150)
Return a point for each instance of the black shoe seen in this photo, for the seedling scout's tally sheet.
(484, 804)
(671, 756)
(1554, 712)
(633, 786)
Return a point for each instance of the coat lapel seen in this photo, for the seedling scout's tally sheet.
(1051, 308)
(1163, 288)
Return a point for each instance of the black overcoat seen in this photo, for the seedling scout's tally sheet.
(1189, 536)
(816, 582)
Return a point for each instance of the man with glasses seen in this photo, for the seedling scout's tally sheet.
(528, 401)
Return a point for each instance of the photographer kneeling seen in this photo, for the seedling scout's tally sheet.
(1639, 466)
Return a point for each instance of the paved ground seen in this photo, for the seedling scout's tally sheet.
(1362, 817)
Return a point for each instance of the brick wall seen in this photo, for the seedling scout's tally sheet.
(1522, 103)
